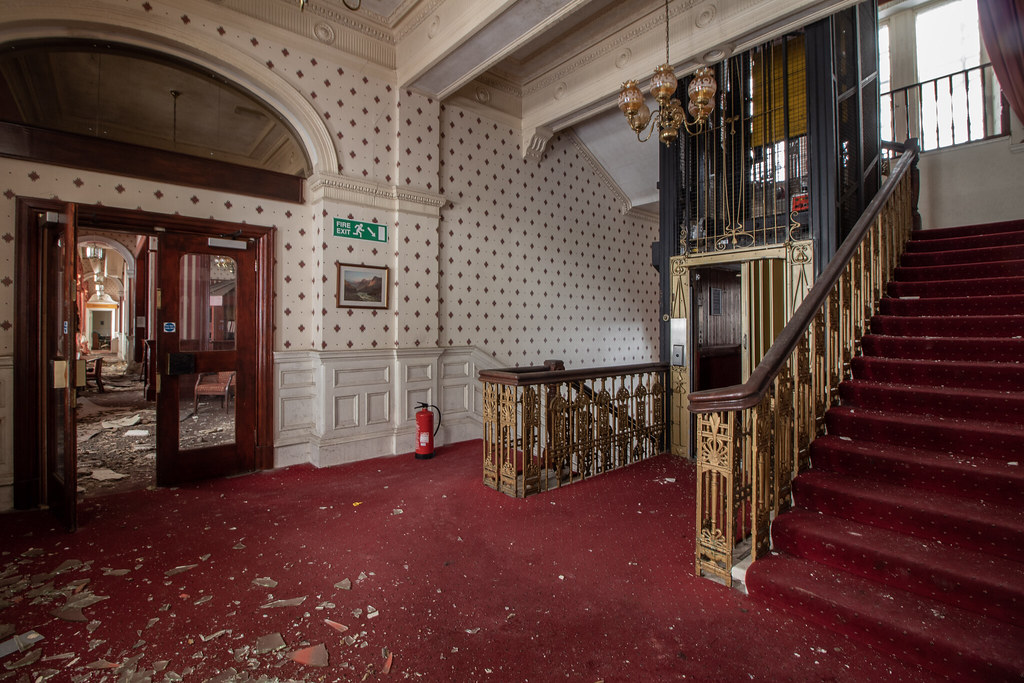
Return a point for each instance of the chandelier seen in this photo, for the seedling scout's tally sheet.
(670, 115)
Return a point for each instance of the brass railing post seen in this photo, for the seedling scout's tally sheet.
(753, 439)
(545, 426)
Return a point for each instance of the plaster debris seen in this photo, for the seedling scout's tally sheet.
(269, 643)
(28, 660)
(137, 432)
(292, 602)
(123, 422)
(340, 628)
(104, 474)
(265, 582)
(180, 569)
(344, 584)
(311, 656)
(371, 612)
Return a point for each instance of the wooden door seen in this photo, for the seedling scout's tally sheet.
(59, 333)
(206, 357)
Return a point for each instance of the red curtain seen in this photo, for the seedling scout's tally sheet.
(1002, 29)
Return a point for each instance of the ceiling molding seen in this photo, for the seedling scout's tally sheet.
(625, 205)
(632, 33)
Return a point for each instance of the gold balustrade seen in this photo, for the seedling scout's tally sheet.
(753, 439)
(546, 427)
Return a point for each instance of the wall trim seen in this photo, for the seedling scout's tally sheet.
(367, 193)
(341, 406)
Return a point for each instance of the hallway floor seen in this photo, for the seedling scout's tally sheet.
(395, 569)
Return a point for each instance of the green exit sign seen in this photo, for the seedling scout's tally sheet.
(359, 230)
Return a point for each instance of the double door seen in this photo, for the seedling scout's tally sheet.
(208, 321)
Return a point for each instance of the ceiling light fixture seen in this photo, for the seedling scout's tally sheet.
(670, 115)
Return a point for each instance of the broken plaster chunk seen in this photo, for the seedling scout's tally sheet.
(28, 660)
(340, 628)
(136, 432)
(269, 643)
(371, 612)
(180, 569)
(357, 612)
(68, 614)
(203, 600)
(123, 422)
(101, 664)
(311, 656)
(397, 511)
(106, 474)
(218, 634)
(265, 582)
(344, 584)
(292, 602)
(107, 571)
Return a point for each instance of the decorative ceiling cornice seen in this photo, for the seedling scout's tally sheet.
(364, 21)
(492, 80)
(654, 21)
(599, 170)
(425, 10)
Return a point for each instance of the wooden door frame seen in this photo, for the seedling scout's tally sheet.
(29, 367)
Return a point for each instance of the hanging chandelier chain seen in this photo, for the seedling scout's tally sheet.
(666, 32)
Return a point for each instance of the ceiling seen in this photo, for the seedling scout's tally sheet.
(542, 66)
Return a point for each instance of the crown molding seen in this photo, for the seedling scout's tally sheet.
(625, 205)
(330, 186)
(629, 35)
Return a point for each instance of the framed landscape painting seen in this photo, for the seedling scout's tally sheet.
(362, 286)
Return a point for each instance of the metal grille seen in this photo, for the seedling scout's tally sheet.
(745, 178)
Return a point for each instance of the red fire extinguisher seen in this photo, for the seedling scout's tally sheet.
(425, 430)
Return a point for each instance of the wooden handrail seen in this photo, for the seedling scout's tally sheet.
(529, 376)
(750, 393)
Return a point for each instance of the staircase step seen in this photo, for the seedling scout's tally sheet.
(976, 582)
(950, 641)
(1006, 326)
(983, 349)
(957, 404)
(966, 374)
(1003, 268)
(968, 230)
(980, 286)
(998, 239)
(997, 482)
(1009, 304)
(976, 438)
(950, 519)
(974, 254)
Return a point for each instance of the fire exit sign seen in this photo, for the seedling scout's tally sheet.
(359, 230)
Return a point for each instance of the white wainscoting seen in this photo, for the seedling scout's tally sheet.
(6, 433)
(342, 406)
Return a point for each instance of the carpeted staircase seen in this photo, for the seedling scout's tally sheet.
(908, 529)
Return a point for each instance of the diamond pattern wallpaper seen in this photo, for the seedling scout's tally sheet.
(527, 261)
(536, 260)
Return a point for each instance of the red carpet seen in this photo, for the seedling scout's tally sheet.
(591, 582)
(908, 531)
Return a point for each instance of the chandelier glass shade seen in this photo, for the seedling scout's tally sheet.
(670, 116)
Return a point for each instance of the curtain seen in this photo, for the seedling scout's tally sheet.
(1002, 29)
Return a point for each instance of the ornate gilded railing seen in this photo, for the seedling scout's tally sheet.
(753, 438)
(546, 427)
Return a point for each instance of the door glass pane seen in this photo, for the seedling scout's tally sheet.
(207, 313)
(206, 410)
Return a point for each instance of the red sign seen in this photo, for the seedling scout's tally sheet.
(801, 202)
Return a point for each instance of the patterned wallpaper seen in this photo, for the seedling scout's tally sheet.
(528, 261)
(39, 180)
(536, 261)
(358, 109)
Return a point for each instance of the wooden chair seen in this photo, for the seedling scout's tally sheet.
(94, 373)
(214, 384)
